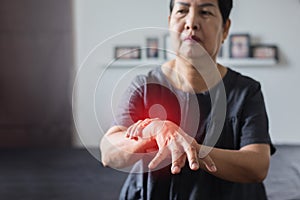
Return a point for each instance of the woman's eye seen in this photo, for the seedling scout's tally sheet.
(181, 11)
(206, 13)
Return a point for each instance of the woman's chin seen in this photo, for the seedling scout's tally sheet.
(192, 51)
(192, 55)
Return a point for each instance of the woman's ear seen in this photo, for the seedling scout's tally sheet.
(226, 29)
(169, 18)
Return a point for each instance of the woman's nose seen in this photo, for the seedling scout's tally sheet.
(191, 22)
(192, 26)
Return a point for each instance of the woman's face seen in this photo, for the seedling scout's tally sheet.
(195, 24)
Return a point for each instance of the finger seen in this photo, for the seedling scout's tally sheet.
(178, 164)
(209, 164)
(192, 157)
(159, 157)
(176, 154)
(133, 128)
(129, 130)
(206, 159)
(127, 133)
(138, 132)
(183, 158)
(146, 122)
(141, 126)
(134, 132)
(189, 145)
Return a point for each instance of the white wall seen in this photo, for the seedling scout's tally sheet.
(268, 21)
(95, 22)
(275, 21)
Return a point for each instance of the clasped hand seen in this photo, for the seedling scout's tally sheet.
(172, 142)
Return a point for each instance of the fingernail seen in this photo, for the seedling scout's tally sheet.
(195, 166)
(175, 169)
(150, 166)
(213, 168)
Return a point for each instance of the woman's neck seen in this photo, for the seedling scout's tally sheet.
(194, 77)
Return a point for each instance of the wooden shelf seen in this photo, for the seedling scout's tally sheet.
(137, 63)
(240, 62)
(230, 62)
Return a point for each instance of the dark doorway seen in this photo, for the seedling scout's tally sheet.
(36, 63)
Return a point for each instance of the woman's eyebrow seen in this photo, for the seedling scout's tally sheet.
(206, 5)
(200, 5)
(184, 4)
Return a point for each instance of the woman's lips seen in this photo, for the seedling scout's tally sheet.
(192, 38)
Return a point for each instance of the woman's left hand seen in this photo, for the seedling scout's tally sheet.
(173, 141)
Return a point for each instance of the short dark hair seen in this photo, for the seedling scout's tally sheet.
(224, 5)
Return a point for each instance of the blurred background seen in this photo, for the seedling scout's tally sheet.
(44, 44)
(37, 62)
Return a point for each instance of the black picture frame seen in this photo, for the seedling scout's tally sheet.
(239, 45)
(152, 48)
(128, 52)
(263, 51)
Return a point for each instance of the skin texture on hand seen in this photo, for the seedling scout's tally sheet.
(136, 129)
(172, 142)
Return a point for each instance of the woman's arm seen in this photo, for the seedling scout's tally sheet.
(122, 147)
(249, 164)
(118, 151)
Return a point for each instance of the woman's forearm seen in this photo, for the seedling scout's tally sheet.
(117, 151)
(250, 164)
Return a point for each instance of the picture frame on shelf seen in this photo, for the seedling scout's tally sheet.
(239, 45)
(152, 48)
(262, 51)
(128, 52)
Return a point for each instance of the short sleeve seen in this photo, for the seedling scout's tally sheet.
(148, 96)
(131, 105)
(254, 119)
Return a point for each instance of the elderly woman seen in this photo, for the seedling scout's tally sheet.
(192, 128)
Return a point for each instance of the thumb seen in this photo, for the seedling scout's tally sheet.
(209, 164)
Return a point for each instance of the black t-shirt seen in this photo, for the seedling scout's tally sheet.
(242, 121)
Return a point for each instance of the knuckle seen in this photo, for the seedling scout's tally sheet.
(191, 148)
(176, 155)
(176, 151)
(175, 163)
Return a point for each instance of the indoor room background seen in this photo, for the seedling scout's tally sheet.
(58, 92)
(263, 20)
